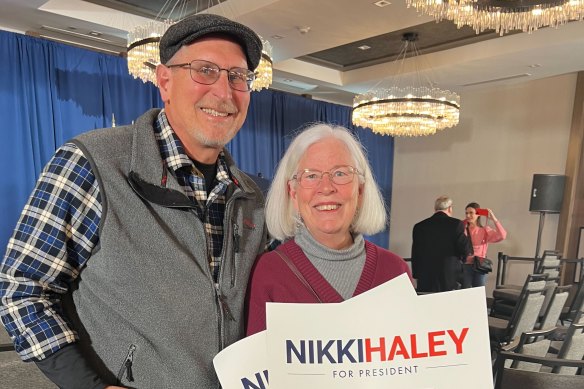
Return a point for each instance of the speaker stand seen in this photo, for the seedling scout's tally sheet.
(540, 229)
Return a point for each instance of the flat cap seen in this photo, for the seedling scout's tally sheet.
(197, 26)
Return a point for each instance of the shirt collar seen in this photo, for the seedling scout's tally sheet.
(173, 153)
(171, 148)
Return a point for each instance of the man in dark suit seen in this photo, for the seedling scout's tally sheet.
(438, 248)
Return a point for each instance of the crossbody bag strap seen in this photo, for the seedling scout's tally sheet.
(469, 237)
(297, 273)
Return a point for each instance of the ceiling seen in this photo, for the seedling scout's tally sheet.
(316, 43)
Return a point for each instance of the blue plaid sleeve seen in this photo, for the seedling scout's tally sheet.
(53, 239)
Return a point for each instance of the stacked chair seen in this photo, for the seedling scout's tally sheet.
(549, 263)
(537, 330)
(512, 378)
(505, 325)
(572, 347)
(575, 303)
(531, 361)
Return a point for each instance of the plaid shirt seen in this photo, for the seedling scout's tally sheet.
(58, 230)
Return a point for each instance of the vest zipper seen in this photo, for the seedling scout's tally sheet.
(236, 237)
(127, 365)
(222, 311)
(224, 306)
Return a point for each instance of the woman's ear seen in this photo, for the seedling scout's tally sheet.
(293, 194)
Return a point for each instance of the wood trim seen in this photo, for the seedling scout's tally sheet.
(572, 213)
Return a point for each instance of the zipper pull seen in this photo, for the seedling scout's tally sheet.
(129, 362)
(235, 238)
(127, 365)
(129, 373)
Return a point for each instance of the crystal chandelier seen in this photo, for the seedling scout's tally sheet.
(264, 70)
(143, 49)
(407, 108)
(144, 54)
(502, 15)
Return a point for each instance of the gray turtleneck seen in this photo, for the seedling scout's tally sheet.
(341, 268)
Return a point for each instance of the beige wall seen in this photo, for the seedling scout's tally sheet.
(505, 135)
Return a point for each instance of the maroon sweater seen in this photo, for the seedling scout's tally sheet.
(273, 281)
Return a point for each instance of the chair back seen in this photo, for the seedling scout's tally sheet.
(548, 292)
(572, 347)
(577, 304)
(509, 378)
(505, 300)
(550, 263)
(536, 343)
(548, 260)
(551, 254)
(526, 313)
(552, 312)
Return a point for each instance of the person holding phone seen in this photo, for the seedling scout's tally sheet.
(480, 236)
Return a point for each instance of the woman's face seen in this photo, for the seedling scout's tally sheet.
(327, 209)
(471, 215)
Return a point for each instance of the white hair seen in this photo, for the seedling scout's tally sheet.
(371, 217)
(442, 203)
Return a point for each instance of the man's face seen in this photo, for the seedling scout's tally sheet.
(205, 117)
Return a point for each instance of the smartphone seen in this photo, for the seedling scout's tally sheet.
(483, 212)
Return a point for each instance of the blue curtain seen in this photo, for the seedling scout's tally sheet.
(50, 92)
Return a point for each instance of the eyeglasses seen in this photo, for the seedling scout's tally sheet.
(340, 175)
(207, 73)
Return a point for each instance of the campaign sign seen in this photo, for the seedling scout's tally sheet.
(435, 341)
(386, 337)
(244, 364)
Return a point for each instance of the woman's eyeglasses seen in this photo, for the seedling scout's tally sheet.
(340, 175)
(207, 73)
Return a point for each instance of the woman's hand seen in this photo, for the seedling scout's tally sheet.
(114, 387)
(492, 215)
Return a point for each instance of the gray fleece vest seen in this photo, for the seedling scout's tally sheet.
(146, 308)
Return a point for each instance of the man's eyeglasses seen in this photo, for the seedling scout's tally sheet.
(340, 175)
(207, 73)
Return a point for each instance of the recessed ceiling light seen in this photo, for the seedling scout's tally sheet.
(303, 29)
(277, 37)
(382, 3)
(535, 65)
(364, 47)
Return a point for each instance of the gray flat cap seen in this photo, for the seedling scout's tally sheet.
(197, 26)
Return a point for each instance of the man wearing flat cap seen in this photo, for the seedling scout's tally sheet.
(129, 265)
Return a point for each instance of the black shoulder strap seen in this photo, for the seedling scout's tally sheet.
(469, 238)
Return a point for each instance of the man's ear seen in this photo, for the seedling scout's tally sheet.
(164, 82)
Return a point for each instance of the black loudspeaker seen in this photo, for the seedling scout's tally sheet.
(547, 193)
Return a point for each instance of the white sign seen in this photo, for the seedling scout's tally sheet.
(244, 364)
(386, 338)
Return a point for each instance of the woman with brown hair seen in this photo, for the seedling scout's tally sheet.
(480, 236)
